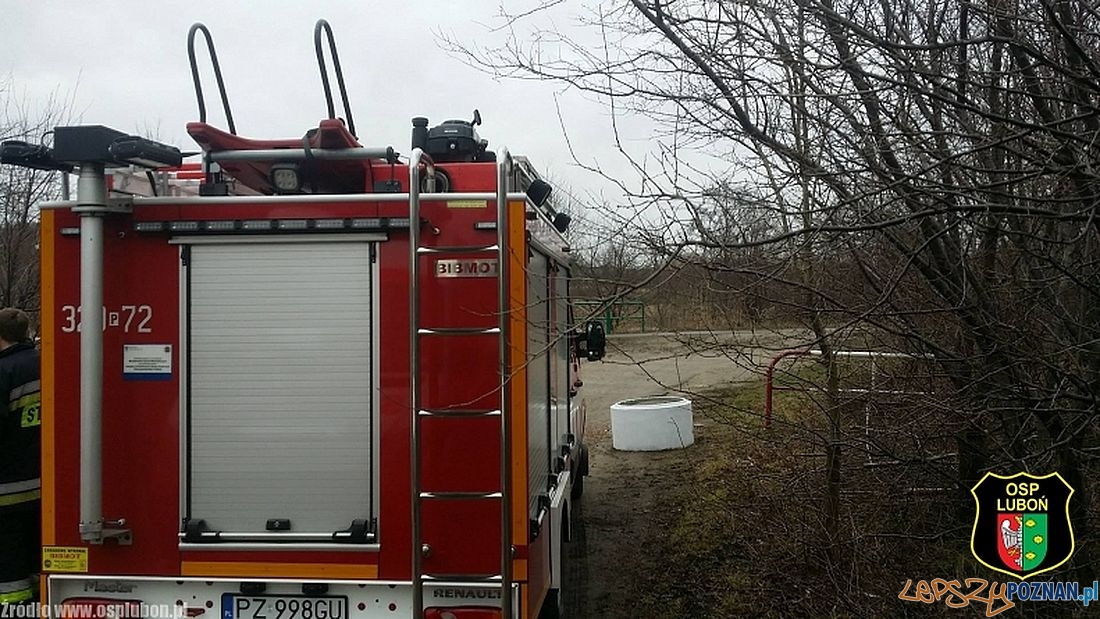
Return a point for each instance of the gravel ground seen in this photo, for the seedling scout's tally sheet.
(624, 492)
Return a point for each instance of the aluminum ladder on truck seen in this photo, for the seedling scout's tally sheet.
(419, 549)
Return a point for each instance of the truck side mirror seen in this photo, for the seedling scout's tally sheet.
(595, 340)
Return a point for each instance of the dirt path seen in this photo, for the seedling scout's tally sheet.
(624, 491)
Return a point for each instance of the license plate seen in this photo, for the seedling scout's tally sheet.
(237, 606)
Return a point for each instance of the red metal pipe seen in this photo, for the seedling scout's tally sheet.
(769, 377)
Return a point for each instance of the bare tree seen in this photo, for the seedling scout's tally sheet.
(928, 174)
(21, 190)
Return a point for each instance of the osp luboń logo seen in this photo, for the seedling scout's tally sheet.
(1022, 526)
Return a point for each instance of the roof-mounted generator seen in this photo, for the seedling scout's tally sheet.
(453, 140)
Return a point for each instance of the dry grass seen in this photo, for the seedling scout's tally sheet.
(742, 535)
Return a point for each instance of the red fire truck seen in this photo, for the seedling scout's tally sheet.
(318, 381)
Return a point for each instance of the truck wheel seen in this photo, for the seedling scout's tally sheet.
(582, 471)
(578, 488)
(551, 608)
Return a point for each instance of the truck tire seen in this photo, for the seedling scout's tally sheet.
(574, 596)
(582, 472)
(551, 607)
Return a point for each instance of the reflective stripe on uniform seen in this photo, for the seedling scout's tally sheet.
(15, 586)
(13, 487)
(23, 595)
(21, 497)
(15, 591)
(16, 492)
(32, 387)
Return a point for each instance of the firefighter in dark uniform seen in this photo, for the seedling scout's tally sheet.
(20, 440)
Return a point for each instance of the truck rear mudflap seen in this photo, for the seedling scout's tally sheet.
(125, 597)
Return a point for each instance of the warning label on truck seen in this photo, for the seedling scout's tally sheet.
(64, 559)
(147, 361)
(466, 203)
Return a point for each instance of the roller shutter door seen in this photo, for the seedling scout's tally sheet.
(538, 381)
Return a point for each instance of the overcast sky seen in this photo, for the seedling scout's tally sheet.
(124, 64)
